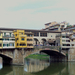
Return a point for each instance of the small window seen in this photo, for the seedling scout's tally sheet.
(0, 44)
(72, 44)
(4, 34)
(63, 41)
(10, 34)
(17, 44)
(51, 35)
(7, 45)
(22, 38)
(0, 34)
(22, 44)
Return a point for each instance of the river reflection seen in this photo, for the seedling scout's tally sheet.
(1, 66)
(32, 65)
(39, 67)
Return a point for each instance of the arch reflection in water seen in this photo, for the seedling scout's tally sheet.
(32, 65)
(54, 69)
(1, 66)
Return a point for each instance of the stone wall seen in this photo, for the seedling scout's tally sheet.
(71, 54)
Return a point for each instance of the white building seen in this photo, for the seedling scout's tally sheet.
(8, 39)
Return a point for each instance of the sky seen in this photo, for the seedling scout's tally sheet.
(34, 14)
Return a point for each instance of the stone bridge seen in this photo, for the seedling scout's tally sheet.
(16, 56)
(55, 53)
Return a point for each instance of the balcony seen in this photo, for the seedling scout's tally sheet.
(30, 42)
(49, 47)
(30, 47)
(64, 34)
(8, 36)
(72, 37)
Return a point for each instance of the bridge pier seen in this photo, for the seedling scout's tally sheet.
(18, 57)
(71, 54)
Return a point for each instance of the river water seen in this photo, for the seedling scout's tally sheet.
(39, 67)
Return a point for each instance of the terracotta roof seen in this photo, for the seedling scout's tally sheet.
(48, 23)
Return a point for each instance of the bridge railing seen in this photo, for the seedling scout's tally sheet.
(48, 47)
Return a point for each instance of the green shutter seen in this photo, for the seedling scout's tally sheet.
(3, 44)
(7, 45)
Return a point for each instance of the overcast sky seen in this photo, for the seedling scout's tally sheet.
(33, 14)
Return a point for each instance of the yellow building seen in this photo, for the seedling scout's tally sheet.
(29, 39)
(1, 42)
(20, 39)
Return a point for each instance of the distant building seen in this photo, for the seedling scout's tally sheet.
(63, 40)
(54, 26)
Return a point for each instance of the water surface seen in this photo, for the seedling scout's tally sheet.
(39, 67)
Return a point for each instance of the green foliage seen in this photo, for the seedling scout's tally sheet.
(66, 54)
(38, 56)
(69, 26)
(59, 48)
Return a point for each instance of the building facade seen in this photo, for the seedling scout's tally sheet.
(8, 39)
(1, 42)
(30, 36)
(20, 39)
(54, 26)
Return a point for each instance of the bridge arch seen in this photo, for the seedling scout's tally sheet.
(55, 55)
(6, 59)
(43, 41)
(36, 41)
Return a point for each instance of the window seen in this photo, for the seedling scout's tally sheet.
(6, 39)
(17, 44)
(29, 44)
(7, 45)
(43, 34)
(63, 36)
(4, 34)
(10, 34)
(36, 34)
(12, 39)
(73, 35)
(4, 44)
(67, 36)
(66, 44)
(22, 38)
(51, 35)
(29, 39)
(67, 40)
(3, 39)
(63, 40)
(0, 38)
(11, 44)
(0, 44)
(23, 44)
(72, 44)
(30, 35)
(0, 34)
